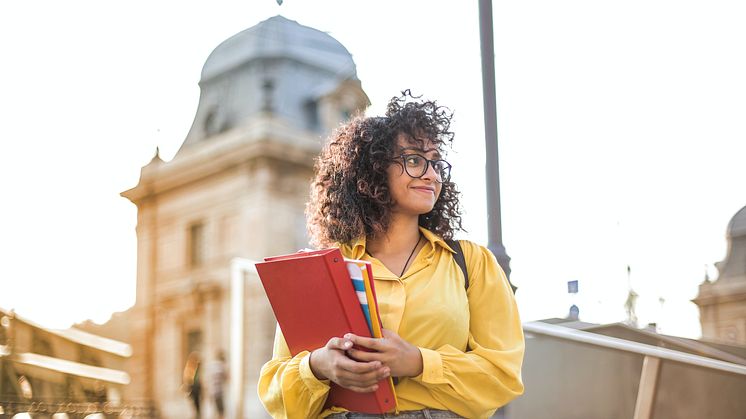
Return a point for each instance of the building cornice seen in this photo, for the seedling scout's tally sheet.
(720, 292)
(263, 136)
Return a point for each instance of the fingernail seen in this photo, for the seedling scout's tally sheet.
(347, 344)
(348, 336)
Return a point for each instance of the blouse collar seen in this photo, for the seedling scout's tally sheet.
(356, 249)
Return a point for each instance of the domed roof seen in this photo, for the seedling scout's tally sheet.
(278, 37)
(737, 225)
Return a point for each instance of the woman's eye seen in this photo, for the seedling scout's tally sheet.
(413, 161)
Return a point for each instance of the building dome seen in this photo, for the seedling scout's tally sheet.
(733, 267)
(294, 73)
(737, 224)
(278, 37)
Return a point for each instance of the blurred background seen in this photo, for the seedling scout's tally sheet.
(621, 142)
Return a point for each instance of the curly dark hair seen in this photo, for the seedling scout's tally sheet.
(350, 195)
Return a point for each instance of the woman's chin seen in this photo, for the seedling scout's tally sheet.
(423, 210)
(413, 211)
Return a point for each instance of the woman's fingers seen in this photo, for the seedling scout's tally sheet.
(363, 380)
(341, 344)
(364, 356)
(323, 361)
(377, 344)
(346, 378)
(403, 358)
(347, 372)
(377, 373)
(356, 367)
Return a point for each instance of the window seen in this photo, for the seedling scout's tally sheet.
(311, 110)
(196, 245)
(731, 334)
(215, 122)
(40, 344)
(86, 356)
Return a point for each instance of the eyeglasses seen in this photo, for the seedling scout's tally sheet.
(416, 166)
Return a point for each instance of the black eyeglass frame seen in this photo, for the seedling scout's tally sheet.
(429, 162)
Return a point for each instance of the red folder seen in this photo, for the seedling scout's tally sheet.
(313, 299)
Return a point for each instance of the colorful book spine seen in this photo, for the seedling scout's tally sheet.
(358, 282)
(361, 274)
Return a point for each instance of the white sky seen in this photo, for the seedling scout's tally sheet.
(621, 135)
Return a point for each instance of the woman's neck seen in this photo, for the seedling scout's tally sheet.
(402, 234)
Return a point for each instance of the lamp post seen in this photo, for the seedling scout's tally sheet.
(494, 227)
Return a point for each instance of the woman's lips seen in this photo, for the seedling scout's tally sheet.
(424, 189)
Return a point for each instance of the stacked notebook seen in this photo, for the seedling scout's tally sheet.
(319, 295)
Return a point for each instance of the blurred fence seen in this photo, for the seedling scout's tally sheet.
(66, 409)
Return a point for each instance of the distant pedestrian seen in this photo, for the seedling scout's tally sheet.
(216, 380)
(192, 381)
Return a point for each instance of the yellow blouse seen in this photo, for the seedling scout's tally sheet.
(429, 308)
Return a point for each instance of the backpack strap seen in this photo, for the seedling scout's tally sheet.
(460, 260)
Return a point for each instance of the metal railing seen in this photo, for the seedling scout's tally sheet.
(635, 347)
(653, 356)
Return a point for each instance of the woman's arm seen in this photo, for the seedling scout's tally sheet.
(297, 386)
(488, 375)
(287, 386)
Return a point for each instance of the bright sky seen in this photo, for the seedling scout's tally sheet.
(621, 135)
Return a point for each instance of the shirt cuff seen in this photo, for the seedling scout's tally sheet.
(310, 380)
(432, 367)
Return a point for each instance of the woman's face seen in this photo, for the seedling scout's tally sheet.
(413, 196)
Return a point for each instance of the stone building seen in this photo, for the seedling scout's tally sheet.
(45, 371)
(236, 188)
(722, 303)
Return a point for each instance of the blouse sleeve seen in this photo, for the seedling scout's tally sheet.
(287, 386)
(488, 375)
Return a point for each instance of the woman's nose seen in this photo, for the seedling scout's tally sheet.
(430, 173)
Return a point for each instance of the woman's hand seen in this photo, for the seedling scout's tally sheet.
(331, 362)
(403, 358)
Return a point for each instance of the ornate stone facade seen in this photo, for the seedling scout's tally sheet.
(722, 304)
(236, 189)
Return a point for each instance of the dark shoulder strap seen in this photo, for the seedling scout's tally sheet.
(460, 260)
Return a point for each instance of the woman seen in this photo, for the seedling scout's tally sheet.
(382, 193)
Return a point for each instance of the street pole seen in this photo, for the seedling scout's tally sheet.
(494, 226)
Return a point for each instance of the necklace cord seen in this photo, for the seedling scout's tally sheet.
(419, 239)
